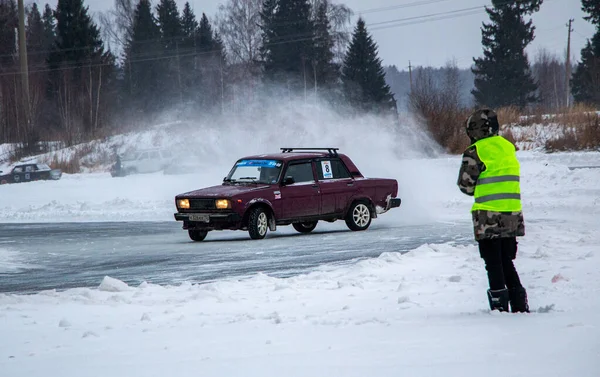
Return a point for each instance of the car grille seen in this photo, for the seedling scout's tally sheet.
(201, 204)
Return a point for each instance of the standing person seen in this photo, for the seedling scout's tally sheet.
(490, 172)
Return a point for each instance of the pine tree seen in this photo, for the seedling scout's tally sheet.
(143, 66)
(169, 23)
(9, 80)
(189, 24)
(37, 50)
(502, 75)
(585, 81)
(592, 8)
(326, 73)
(363, 75)
(205, 35)
(49, 26)
(8, 25)
(267, 26)
(35, 34)
(189, 62)
(213, 64)
(80, 69)
(77, 36)
(289, 33)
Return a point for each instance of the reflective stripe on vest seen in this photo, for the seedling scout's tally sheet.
(498, 187)
(489, 198)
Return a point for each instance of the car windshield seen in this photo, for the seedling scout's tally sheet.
(258, 171)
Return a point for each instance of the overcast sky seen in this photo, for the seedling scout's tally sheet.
(428, 42)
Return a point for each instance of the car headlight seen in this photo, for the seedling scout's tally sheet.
(223, 204)
(183, 203)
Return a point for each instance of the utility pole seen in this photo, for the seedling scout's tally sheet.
(568, 64)
(410, 76)
(23, 60)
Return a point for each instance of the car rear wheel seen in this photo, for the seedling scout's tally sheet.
(258, 223)
(359, 216)
(197, 235)
(305, 227)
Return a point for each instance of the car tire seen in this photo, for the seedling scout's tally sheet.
(258, 223)
(305, 227)
(197, 235)
(359, 216)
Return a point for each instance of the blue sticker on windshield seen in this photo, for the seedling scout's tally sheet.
(260, 163)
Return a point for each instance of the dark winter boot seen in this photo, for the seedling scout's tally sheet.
(498, 299)
(518, 300)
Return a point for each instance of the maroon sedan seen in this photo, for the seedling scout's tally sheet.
(299, 186)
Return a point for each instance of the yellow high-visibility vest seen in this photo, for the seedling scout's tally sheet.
(498, 188)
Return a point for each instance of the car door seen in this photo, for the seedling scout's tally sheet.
(336, 185)
(154, 161)
(303, 197)
(30, 172)
(142, 162)
(18, 174)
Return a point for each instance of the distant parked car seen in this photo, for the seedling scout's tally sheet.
(142, 161)
(30, 172)
(297, 186)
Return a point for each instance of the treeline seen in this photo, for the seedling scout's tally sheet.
(547, 69)
(505, 79)
(140, 61)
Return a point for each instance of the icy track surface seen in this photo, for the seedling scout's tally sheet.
(417, 313)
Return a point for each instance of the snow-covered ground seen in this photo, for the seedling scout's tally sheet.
(423, 313)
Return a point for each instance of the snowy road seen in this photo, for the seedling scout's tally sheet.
(67, 255)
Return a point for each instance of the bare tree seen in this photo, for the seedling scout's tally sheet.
(438, 105)
(340, 17)
(238, 22)
(549, 72)
(117, 23)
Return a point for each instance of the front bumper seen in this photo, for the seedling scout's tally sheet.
(203, 220)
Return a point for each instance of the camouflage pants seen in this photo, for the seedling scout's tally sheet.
(489, 225)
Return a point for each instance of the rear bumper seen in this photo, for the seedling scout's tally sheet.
(394, 203)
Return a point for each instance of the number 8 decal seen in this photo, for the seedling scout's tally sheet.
(326, 167)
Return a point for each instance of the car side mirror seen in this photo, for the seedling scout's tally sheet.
(289, 180)
(355, 174)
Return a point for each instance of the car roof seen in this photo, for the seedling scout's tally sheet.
(291, 156)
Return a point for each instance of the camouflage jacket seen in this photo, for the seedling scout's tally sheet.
(486, 224)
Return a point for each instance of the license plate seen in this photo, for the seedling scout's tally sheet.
(203, 218)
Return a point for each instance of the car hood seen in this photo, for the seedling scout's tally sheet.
(225, 191)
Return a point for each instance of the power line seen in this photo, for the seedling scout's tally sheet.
(479, 9)
(422, 21)
(401, 6)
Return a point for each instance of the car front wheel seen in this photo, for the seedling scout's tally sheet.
(258, 223)
(197, 235)
(305, 227)
(359, 216)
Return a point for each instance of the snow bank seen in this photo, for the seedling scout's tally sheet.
(112, 285)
